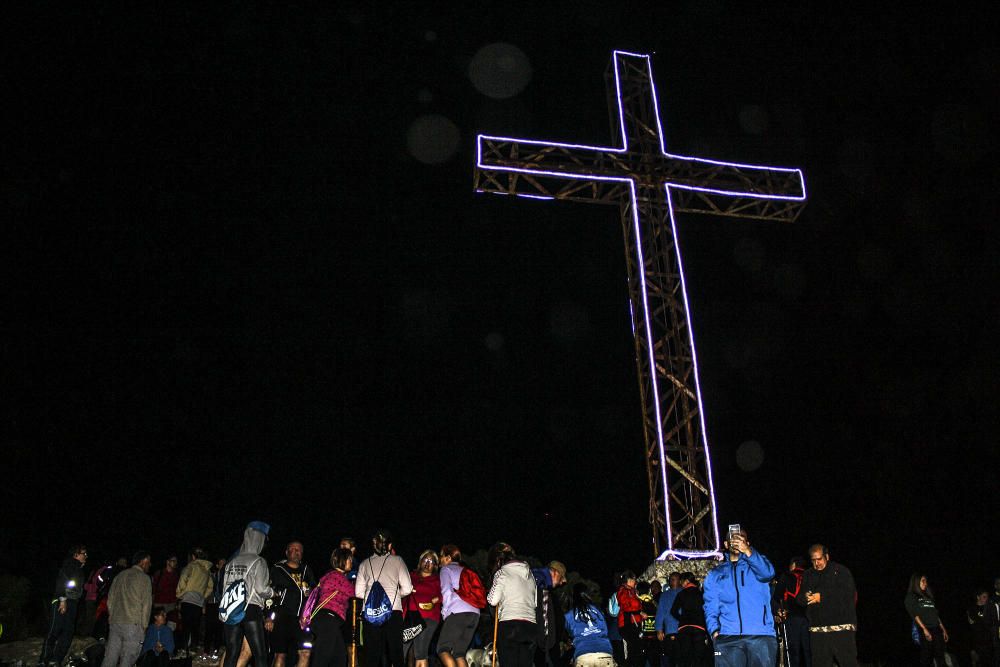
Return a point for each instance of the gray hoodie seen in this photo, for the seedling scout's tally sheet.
(249, 566)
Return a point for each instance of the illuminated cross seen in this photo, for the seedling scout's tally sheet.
(649, 185)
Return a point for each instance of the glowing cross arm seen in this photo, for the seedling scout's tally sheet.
(548, 170)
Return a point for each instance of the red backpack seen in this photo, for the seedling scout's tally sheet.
(470, 588)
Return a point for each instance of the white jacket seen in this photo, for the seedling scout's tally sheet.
(514, 592)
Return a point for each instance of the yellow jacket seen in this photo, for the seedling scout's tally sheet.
(196, 582)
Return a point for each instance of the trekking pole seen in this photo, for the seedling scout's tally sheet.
(355, 639)
(784, 642)
(496, 625)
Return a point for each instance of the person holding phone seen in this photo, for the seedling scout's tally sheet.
(738, 606)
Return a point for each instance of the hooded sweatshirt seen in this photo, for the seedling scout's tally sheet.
(514, 592)
(249, 566)
(195, 582)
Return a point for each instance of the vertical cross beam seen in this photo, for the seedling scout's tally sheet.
(649, 186)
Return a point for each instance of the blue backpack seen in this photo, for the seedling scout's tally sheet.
(613, 607)
(233, 605)
(377, 607)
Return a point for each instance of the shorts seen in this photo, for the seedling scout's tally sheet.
(422, 642)
(594, 660)
(287, 636)
(457, 632)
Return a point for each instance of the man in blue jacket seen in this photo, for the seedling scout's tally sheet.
(738, 607)
(666, 624)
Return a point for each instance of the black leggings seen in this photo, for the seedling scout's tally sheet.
(251, 627)
(384, 640)
(516, 643)
(328, 649)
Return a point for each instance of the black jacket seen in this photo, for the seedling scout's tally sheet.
(838, 597)
(296, 584)
(785, 593)
(70, 580)
(689, 608)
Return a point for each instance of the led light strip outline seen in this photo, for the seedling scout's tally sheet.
(642, 274)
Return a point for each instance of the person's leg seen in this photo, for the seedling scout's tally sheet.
(190, 617)
(234, 644)
(681, 650)
(300, 643)
(805, 644)
(281, 640)
(197, 637)
(132, 645)
(845, 649)
(793, 640)
(450, 640)
(701, 653)
(246, 655)
(113, 647)
(937, 643)
(338, 652)
(422, 643)
(394, 640)
(729, 651)
(526, 635)
(253, 630)
(762, 651)
(374, 643)
(322, 645)
(821, 648)
(60, 634)
(49, 645)
(926, 651)
(633, 651)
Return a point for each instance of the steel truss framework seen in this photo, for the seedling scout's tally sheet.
(649, 186)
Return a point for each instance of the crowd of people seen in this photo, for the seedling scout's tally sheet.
(378, 612)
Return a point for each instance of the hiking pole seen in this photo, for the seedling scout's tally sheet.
(496, 625)
(355, 638)
(784, 642)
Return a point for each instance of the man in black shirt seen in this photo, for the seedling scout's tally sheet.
(828, 594)
(692, 639)
(791, 614)
(68, 591)
(293, 579)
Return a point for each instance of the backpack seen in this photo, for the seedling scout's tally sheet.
(470, 588)
(377, 607)
(613, 607)
(648, 623)
(233, 605)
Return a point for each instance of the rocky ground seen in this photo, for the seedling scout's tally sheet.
(27, 651)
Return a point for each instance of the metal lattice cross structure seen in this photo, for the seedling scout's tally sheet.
(650, 186)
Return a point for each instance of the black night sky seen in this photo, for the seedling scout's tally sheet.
(245, 276)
